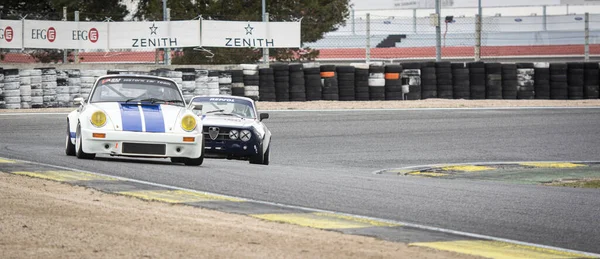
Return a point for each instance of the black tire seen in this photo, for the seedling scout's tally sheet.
(261, 159)
(194, 161)
(79, 146)
(69, 146)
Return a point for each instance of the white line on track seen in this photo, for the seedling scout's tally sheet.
(418, 226)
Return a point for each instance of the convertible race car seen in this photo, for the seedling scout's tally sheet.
(233, 129)
(137, 116)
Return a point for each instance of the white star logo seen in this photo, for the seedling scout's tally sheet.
(249, 29)
(153, 29)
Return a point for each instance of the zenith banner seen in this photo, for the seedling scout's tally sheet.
(11, 34)
(233, 34)
(152, 35)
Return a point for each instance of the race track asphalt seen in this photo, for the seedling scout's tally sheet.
(326, 159)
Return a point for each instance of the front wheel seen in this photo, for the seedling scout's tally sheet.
(260, 158)
(79, 145)
(69, 146)
(194, 161)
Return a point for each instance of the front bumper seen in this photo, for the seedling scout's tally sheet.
(113, 141)
(231, 148)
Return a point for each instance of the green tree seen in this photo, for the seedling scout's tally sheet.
(318, 17)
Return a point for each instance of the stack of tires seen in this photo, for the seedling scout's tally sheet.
(590, 80)
(361, 84)
(312, 83)
(460, 81)
(2, 103)
(493, 82)
(509, 81)
(251, 81)
(237, 82)
(443, 74)
(377, 82)
(12, 89)
(25, 88)
(201, 82)
(428, 80)
(87, 82)
(346, 82)
(49, 86)
(575, 80)
(74, 83)
(393, 82)
(411, 78)
(477, 78)
(297, 83)
(525, 81)
(266, 85)
(37, 93)
(213, 82)
(281, 74)
(330, 88)
(541, 81)
(63, 97)
(188, 82)
(559, 88)
(225, 83)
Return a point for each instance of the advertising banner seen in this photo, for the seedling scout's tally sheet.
(151, 35)
(11, 34)
(65, 35)
(234, 34)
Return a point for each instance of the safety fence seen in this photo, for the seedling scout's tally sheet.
(282, 82)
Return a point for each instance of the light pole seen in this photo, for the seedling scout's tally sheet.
(167, 54)
(265, 19)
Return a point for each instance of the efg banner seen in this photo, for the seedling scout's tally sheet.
(151, 35)
(11, 34)
(233, 34)
(65, 35)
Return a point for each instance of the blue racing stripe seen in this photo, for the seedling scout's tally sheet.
(154, 118)
(73, 134)
(131, 117)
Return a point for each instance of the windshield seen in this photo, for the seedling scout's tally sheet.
(131, 89)
(223, 106)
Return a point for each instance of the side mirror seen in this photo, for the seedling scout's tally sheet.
(79, 100)
(264, 116)
(196, 108)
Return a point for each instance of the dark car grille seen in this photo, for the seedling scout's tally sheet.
(144, 149)
(223, 133)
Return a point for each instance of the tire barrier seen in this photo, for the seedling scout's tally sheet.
(477, 80)
(377, 82)
(329, 81)
(281, 75)
(266, 85)
(411, 78)
(428, 80)
(575, 72)
(541, 81)
(346, 82)
(297, 83)
(493, 83)
(48, 87)
(393, 83)
(525, 81)
(591, 81)
(460, 81)
(559, 88)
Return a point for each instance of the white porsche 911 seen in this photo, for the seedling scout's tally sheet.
(137, 116)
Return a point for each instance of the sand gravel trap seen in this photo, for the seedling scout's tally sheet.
(45, 219)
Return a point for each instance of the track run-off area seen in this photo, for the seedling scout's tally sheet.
(327, 161)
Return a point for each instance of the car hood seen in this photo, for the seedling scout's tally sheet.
(141, 117)
(227, 121)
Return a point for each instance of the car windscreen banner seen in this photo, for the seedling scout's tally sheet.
(11, 34)
(203, 99)
(138, 81)
(152, 35)
(234, 34)
(65, 35)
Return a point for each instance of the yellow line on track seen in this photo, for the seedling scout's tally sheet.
(6, 161)
(323, 220)
(65, 176)
(466, 168)
(177, 196)
(499, 250)
(552, 164)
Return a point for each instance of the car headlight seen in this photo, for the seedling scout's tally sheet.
(234, 134)
(245, 135)
(188, 123)
(98, 119)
